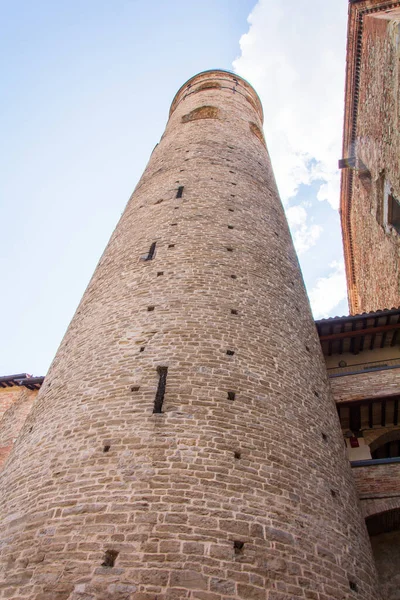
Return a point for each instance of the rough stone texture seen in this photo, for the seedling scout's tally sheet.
(372, 134)
(15, 405)
(99, 471)
(386, 549)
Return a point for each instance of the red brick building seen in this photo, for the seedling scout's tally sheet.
(370, 192)
(362, 351)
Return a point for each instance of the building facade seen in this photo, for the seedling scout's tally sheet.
(198, 435)
(362, 351)
(185, 443)
(370, 191)
(363, 359)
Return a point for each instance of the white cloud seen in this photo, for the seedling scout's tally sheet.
(329, 291)
(293, 54)
(305, 235)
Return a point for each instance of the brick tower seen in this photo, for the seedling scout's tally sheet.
(184, 444)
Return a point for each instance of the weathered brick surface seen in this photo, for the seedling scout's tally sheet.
(376, 506)
(169, 494)
(374, 384)
(17, 403)
(7, 398)
(386, 548)
(372, 252)
(378, 481)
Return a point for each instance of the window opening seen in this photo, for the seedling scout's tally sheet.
(162, 382)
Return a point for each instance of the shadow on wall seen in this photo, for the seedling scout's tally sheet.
(384, 531)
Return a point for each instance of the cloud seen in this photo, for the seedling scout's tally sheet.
(329, 291)
(293, 54)
(305, 235)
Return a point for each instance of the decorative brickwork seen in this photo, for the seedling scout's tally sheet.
(225, 476)
(202, 112)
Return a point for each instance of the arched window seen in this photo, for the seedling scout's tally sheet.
(202, 112)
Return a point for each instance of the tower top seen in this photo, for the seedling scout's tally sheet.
(219, 78)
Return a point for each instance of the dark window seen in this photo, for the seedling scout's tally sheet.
(162, 382)
(150, 254)
(109, 558)
(394, 212)
(388, 450)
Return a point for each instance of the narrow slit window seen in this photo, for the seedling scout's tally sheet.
(151, 251)
(394, 212)
(162, 382)
(179, 192)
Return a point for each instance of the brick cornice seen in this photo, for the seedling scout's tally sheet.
(358, 9)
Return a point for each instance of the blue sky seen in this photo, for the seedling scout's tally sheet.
(86, 89)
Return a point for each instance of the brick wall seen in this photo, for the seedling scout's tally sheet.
(375, 250)
(374, 384)
(378, 481)
(240, 488)
(14, 418)
(7, 398)
(386, 549)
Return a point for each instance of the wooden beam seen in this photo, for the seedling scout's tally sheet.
(383, 413)
(355, 418)
(353, 328)
(364, 400)
(383, 340)
(369, 331)
(372, 341)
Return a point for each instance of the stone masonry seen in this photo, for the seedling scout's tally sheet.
(15, 405)
(237, 487)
